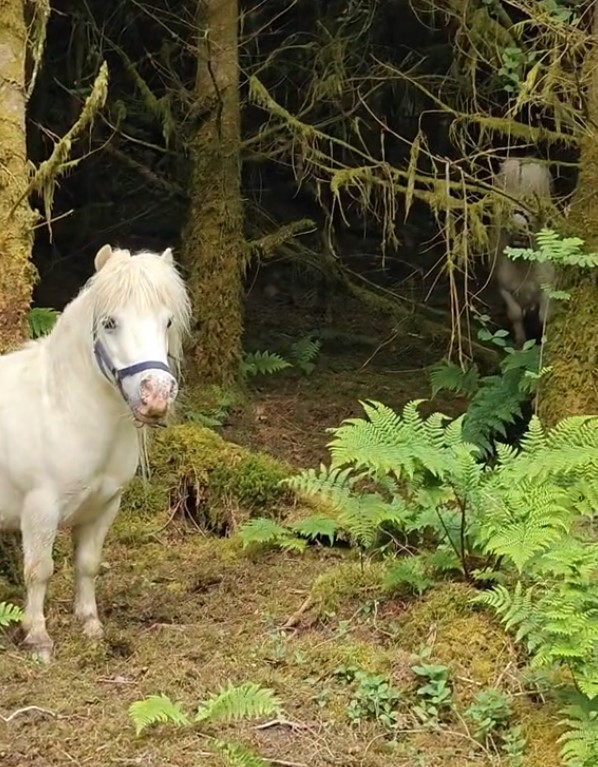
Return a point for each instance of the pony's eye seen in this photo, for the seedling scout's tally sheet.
(169, 323)
(109, 323)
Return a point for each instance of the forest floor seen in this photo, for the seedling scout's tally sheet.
(186, 612)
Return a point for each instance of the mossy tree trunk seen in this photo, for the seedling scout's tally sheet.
(572, 345)
(213, 243)
(16, 217)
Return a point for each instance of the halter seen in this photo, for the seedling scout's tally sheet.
(116, 375)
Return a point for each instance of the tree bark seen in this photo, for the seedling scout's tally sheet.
(572, 343)
(17, 274)
(213, 242)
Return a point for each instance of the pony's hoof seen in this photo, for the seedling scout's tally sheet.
(40, 646)
(93, 629)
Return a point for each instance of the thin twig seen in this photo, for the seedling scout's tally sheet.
(26, 710)
(281, 723)
(306, 605)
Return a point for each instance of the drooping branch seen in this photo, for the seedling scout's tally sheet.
(50, 170)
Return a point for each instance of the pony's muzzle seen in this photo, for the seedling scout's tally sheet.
(156, 395)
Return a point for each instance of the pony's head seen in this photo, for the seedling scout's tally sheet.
(520, 234)
(140, 311)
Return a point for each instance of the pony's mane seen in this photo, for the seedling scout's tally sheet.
(145, 280)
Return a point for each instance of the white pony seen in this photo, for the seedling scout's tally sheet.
(520, 281)
(73, 404)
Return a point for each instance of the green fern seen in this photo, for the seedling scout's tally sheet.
(41, 320)
(304, 352)
(495, 400)
(263, 363)
(9, 614)
(231, 703)
(580, 742)
(262, 531)
(317, 526)
(565, 251)
(237, 755)
(155, 709)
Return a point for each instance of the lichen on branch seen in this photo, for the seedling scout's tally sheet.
(50, 170)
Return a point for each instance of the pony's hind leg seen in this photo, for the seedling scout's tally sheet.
(515, 315)
(88, 540)
(39, 523)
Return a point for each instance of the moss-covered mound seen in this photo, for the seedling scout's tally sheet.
(217, 483)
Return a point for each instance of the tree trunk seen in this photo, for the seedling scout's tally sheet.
(213, 241)
(16, 217)
(572, 345)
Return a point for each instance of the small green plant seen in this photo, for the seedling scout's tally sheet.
(373, 696)
(262, 363)
(373, 699)
(580, 742)
(41, 320)
(304, 352)
(229, 704)
(513, 746)
(9, 614)
(489, 714)
(436, 695)
(301, 356)
(217, 415)
(495, 401)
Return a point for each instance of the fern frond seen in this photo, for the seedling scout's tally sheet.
(263, 531)
(303, 353)
(237, 755)
(41, 321)
(263, 363)
(9, 614)
(447, 375)
(332, 484)
(580, 742)
(316, 526)
(231, 703)
(155, 709)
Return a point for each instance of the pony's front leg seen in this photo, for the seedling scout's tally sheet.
(39, 523)
(89, 541)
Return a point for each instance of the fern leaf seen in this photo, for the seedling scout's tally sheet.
(303, 352)
(263, 363)
(447, 375)
(9, 614)
(155, 709)
(317, 526)
(41, 320)
(262, 530)
(232, 703)
(237, 755)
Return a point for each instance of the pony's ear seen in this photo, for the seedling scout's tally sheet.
(102, 256)
(168, 256)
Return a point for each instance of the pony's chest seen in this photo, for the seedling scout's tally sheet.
(88, 485)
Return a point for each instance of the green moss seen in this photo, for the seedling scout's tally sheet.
(348, 582)
(540, 724)
(469, 642)
(143, 497)
(218, 483)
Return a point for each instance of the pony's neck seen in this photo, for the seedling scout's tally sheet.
(71, 365)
